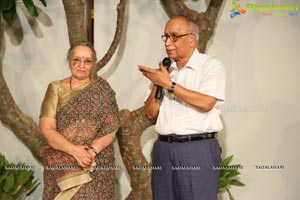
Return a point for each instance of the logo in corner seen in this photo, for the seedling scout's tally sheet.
(236, 10)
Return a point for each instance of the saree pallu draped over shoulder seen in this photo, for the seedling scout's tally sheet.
(90, 114)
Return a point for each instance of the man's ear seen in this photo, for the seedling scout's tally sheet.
(193, 40)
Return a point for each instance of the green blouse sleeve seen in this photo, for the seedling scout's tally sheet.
(50, 102)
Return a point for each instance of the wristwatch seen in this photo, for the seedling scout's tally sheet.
(171, 89)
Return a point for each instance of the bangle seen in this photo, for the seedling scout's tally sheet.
(171, 89)
(93, 150)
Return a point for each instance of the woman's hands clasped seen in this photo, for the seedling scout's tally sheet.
(82, 155)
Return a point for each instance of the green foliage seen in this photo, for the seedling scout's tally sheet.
(16, 180)
(30, 7)
(9, 11)
(228, 175)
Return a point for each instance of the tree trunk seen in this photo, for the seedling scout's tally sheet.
(75, 20)
(133, 124)
(117, 37)
(205, 20)
(12, 117)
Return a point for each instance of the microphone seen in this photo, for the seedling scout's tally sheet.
(166, 63)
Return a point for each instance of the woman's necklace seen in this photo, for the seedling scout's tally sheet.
(71, 88)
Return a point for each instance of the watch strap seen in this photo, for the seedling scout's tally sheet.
(171, 89)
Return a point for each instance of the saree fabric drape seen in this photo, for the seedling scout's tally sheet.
(81, 116)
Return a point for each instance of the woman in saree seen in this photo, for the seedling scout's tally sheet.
(79, 120)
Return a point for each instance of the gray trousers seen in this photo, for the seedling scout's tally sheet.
(185, 171)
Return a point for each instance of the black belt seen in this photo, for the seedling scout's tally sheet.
(186, 138)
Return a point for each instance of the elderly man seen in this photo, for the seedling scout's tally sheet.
(188, 117)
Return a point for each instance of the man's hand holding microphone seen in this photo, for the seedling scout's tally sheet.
(159, 77)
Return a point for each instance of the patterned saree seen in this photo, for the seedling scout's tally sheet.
(82, 116)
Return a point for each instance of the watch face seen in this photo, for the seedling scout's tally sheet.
(171, 89)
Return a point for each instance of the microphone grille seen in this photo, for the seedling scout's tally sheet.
(166, 62)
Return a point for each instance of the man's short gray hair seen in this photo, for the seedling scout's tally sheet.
(193, 27)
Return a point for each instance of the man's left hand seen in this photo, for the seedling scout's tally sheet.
(158, 76)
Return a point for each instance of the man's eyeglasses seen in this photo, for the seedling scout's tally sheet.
(173, 38)
(86, 62)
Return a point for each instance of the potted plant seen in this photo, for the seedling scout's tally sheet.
(228, 175)
(16, 180)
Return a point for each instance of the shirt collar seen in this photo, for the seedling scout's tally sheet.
(192, 62)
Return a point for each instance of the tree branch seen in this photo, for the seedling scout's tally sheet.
(75, 19)
(133, 124)
(117, 37)
(11, 116)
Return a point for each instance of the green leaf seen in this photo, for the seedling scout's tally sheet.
(9, 15)
(6, 4)
(18, 181)
(226, 161)
(24, 177)
(3, 196)
(20, 194)
(223, 184)
(151, 158)
(236, 182)
(3, 176)
(33, 186)
(44, 2)
(3, 161)
(233, 173)
(224, 173)
(31, 8)
(9, 182)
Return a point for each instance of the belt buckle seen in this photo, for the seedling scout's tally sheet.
(171, 139)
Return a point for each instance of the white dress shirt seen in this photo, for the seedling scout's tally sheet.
(204, 74)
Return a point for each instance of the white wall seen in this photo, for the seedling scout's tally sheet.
(261, 57)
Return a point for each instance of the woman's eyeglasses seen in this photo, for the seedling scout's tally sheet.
(86, 62)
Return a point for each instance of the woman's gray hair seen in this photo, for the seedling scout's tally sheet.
(82, 43)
